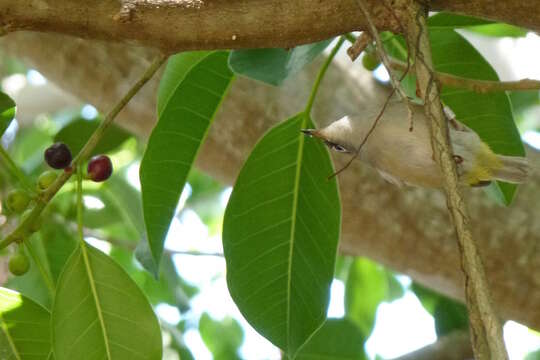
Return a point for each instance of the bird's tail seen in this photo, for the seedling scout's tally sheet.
(514, 169)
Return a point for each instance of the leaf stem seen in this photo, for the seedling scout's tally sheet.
(321, 74)
(15, 170)
(80, 207)
(45, 197)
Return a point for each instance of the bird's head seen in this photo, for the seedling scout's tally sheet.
(338, 136)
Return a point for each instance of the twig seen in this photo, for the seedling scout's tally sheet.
(382, 54)
(45, 197)
(359, 45)
(476, 85)
(15, 170)
(486, 329)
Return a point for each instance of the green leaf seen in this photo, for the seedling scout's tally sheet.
(222, 338)
(189, 103)
(77, 132)
(99, 312)
(535, 355)
(280, 235)
(367, 286)
(337, 339)
(7, 112)
(490, 115)
(24, 328)
(450, 316)
(446, 20)
(499, 30)
(273, 66)
(58, 244)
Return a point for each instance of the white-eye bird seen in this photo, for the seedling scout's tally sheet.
(403, 156)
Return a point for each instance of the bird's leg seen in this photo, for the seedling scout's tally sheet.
(451, 117)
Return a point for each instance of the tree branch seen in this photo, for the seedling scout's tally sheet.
(454, 346)
(217, 24)
(486, 329)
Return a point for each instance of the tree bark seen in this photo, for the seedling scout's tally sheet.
(406, 229)
(175, 25)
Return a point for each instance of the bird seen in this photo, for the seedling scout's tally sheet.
(402, 154)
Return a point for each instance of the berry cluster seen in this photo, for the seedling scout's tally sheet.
(57, 156)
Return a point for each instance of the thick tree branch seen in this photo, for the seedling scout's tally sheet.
(454, 346)
(174, 25)
(486, 329)
(406, 229)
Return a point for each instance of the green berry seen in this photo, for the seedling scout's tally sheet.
(46, 179)
(19, 263)
(17, 201)
(370, 61)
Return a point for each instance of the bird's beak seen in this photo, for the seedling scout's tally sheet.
(311, 132)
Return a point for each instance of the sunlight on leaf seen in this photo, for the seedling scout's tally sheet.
(24, 328)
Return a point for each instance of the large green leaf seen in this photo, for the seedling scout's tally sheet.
(280, 235)
(367, 286)
(24, 328)
(490, 115)
(273, 66)
(99, 312)
(77, 132)
(188, 101)
(337, 339)
(7, 112)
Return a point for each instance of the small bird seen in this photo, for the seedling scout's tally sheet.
(403, 154)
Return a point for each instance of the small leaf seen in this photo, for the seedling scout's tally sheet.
(337, 339)
(100, 313)
(273, 66)
(24, 328)
(499, 30)
(448, 20)
(450, 316)
(222, 338)
(186, 111)
(280, 235)
(7, 112)
(77, 132)
(367, 286)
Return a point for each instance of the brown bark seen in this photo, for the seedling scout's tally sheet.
(405, 229)
(176, 25)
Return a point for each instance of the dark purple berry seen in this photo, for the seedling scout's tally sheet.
(99, 168)
(58, 156)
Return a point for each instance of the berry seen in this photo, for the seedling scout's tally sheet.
(99, 168)
(370, 61)
(58, 156)
(46, 179)
(17, 201)
(19, 263)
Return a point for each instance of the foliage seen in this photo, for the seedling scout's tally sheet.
(280, 231)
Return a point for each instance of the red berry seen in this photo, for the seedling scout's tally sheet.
(58, 156)
(99, 168)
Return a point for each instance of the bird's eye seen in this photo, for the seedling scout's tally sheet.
(339, 148)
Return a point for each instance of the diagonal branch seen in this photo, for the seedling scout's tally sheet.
(486, 329)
